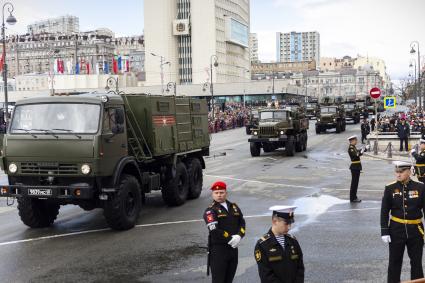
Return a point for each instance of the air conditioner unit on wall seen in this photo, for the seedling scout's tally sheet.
(181, 27)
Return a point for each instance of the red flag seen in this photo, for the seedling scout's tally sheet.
(1, 62)
(114, 65)
(62, 66)
(127, 65)
(88, 68)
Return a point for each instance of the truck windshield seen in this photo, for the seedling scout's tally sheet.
(56, 118)
(349, 106)
(328, 110)
(281, 115)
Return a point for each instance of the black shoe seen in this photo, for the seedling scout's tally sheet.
(356, 200)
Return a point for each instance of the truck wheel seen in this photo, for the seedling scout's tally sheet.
(248, 130)
(338, 127)
(37, 213)
(255, 149)
(317, 130)
(290, 147)
(122, 210)
(305, 142)
(194, 170)
(299, 144)
(343, 127)
(176, 190)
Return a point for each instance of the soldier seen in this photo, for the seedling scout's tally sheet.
(226, 227)
(278, 254)
(420, 161)
(355, 167)
(404, 199)
(403, 133)
(365, 130)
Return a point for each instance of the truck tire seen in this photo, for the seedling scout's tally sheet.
(338, 127)
(37, 213)
(196, 178)
(122, 210)
(343, 127)
(305, 142)
(318, 130)
(290, 147)
(176, 190)
(255, 149)
(299, 144)
(248, 130)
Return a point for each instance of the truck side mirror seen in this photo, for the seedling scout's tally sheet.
(119, 116)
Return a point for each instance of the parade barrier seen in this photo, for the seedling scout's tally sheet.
(382, 140)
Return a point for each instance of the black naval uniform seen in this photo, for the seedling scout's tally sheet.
(277, 264)
(356, 168)
(420, 165)
(222, 224)
(406, 203)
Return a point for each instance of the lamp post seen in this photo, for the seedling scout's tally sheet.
(110, 82)
(11, 20)
(215, 58)
(51, 54)
(172, 85)
(416, 93)
(161, 65)
(413, 51)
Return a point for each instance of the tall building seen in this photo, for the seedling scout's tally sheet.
(65, 24)
(298, 47)
(182, 36)
(253, 47)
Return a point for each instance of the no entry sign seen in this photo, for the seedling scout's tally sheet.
(375, 93)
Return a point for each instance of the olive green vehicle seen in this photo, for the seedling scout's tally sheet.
(280, 128)
(252, 121)
(311, 109)
(331, 115)
(103, 151)
(352, 111)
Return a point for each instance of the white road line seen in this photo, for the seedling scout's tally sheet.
(379, 191)
(152, 225)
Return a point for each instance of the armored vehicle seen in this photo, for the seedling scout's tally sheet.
(252, 121)
(280, 128)
(352, 111)
(331, 115)
(103, 151)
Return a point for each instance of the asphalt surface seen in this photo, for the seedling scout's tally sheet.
(341, 242)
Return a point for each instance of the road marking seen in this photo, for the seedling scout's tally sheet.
(153, 225)
(380, 191)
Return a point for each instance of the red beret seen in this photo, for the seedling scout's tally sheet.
(218, 186)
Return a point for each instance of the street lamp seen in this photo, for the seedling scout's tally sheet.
(161, 65)
(11, 20)
(413, 51)
(215, 58)
(171, 85)
(415, 89)
(112, 82)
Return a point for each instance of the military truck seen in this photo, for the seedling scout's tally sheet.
(280, 128)
(103, 151)
(352, 111)
(331, 115)
(252, 121)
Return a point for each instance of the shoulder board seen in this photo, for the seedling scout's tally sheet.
(212, 204)
(264, 238)
(291, 236)
(392, 183)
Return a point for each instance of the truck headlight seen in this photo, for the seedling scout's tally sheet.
(318, 119)
(255, 133)
(334, 120)
(282, 132)
(85, 169)
(13, 168)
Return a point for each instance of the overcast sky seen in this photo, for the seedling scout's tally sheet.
(377, 28)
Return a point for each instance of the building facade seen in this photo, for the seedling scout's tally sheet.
(298, 46)
(261, 71)
(253, 48)
(65, 24)
(183, 36)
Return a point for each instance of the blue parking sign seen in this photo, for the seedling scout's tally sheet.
(389, 102)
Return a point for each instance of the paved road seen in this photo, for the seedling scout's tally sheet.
(341, 242)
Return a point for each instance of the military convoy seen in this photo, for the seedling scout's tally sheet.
(252, 121)
(280, 128)
(311, 108)
(331, 115)
(103, 151)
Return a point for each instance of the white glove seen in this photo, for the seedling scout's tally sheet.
(413, 151)
(386, 239)
(362, 150)
(234, 242)
(368, 147)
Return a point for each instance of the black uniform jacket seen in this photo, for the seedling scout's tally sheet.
(403, 131)
(355, 158)
(406, 202)
(222, 223)
(420, 163)
(278, 265)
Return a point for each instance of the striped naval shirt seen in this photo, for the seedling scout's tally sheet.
(281, 240)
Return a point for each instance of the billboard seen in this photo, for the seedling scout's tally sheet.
(237, 32)
(181, 27)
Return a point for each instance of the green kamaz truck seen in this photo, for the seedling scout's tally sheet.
(103, 151)
(331, 115)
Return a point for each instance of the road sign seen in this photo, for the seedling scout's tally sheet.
(375, 93)
(389, 102)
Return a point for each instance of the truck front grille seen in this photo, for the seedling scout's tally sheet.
(267, 131)
(49, 168)
(327, 119)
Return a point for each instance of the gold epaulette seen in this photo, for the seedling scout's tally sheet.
(391, 183)
(264, 238)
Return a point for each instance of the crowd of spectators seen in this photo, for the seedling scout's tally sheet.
(228, 116)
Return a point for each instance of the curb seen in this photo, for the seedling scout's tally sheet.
(384, 158)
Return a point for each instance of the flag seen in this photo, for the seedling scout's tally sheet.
(77, 68)
(88, 68)
(69, 67)
(105, 67)
(114, 65)
(127, 66)
(119, 63)
(97, 68)
(1, 62)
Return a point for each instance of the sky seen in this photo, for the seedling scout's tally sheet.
(374, 28)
